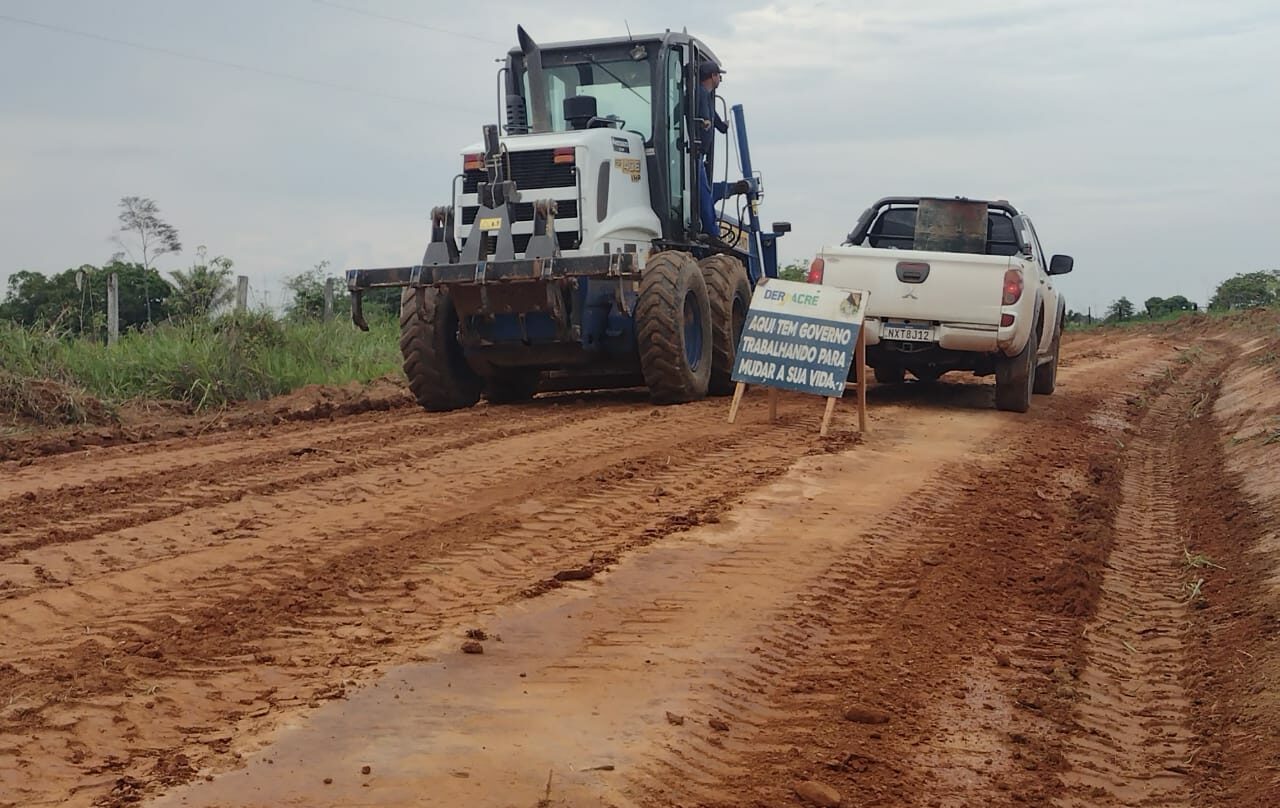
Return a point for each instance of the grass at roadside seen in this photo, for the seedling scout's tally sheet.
(204, 364)
(1138, 321)
(1176, 319)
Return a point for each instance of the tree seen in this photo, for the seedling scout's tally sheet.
(32, 298)
(81, 308)
(1122, 309)
(1159, 306)
(306, 291)
(1247, 290)
(202, 289)
(144, 237)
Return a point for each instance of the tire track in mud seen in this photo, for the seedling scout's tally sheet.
(84, 468)
(232, 545)
(688, 619)
(282, 517)
(1135, 743)
(31, 519)
(236, 630)
(673, 612)
(884, 631)
(80, 471)
(961, 638)
(874, 579)
(215, 644)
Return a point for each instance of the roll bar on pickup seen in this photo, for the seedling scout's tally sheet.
(869, 217)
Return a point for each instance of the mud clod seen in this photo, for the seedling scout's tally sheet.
(861, 714)
(822, 795)
(472, 647)
(576, 574)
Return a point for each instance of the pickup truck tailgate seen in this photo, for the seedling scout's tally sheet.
(917, 285)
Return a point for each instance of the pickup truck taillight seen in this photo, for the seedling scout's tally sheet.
(815, 270)
(1012, 286)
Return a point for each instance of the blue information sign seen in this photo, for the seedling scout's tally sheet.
(799, 337)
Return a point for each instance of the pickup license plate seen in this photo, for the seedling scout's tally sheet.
(906, 333)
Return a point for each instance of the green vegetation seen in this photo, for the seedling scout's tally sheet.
(204, 289)
(795, 271)
(180, 339)
(1161, 306)
(1078, 322)
(1121, 309)
(1248, 290)
(75, 301)
(1243, 291)
(203, 363)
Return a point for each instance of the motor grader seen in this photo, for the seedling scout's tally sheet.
(581, 247)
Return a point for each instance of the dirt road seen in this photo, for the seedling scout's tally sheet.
(1073, 607)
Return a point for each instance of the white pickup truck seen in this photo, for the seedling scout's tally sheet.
(956, 284)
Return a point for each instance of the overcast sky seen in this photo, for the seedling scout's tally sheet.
(1142, 137)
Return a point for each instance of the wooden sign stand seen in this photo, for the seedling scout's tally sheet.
(860, 369)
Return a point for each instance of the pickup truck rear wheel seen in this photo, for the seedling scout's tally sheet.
(729, 293)
(1014, 377)
(673, 328)
(438, 373)
(1047, 374)
(890, 374)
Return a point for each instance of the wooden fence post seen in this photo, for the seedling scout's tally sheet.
(242, 293)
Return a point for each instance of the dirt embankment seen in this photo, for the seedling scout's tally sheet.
(28, 436)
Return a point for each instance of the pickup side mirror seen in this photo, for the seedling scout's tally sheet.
(781, 227)
(1061, 264)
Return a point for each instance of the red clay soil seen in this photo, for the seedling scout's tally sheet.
(1075, 606)
(1233, 669)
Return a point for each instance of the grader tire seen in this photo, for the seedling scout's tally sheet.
(673, 329)
(729, 293)
(438, 373)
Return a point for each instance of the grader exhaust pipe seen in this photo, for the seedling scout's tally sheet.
(539, 113)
